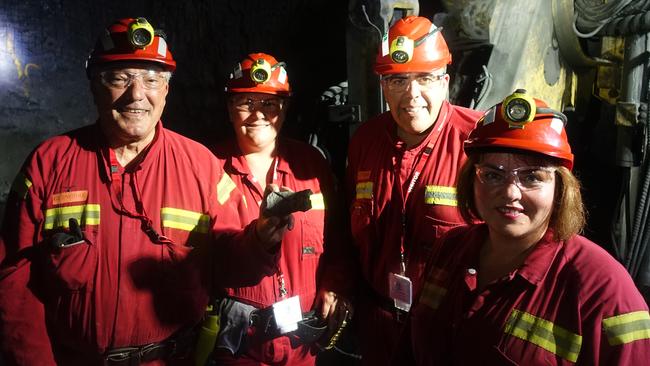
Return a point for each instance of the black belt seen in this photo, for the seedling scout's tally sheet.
(177, 346)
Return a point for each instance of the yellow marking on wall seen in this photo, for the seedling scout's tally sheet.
(22, 72)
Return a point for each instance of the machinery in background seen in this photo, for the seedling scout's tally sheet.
(587, 58)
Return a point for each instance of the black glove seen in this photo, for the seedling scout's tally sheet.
(66, 239)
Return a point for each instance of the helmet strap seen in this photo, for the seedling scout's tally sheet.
(556, 114)
(421, 40)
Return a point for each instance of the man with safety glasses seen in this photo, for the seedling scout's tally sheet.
(106, 251)
(401, 176)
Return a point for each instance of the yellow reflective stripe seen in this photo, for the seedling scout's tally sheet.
(544, 334)
(317, 201)
(21, 185)
(626, 328)
(364, 190)
(176, 218)
(59, 216)
(432, 295)
(224, 188)
(440, 195)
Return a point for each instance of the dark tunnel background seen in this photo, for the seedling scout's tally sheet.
(44, 46)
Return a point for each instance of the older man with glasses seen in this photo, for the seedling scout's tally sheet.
(106, 251)
(402, 168)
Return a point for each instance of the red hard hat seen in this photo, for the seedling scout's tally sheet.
(118, 43)
(414, 45)
(259, 73)
(524, 123)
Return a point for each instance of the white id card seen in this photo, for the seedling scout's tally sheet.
(287, 314)
(401, 291)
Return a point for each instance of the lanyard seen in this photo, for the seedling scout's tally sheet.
(255, 188)
(422, 160)
(282, 289)
(115, 192)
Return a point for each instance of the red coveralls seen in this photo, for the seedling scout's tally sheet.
(570, 303)
(117, 288)
(297, 167)
(376, 157)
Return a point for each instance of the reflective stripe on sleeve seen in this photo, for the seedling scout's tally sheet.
(21, 185)
(440, 195)
(626, 328)
(364, 190)
(176, 218)
(544, 334)
(59, 216)
(224, 188)
(317, 201)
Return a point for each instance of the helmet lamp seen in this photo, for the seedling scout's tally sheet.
(140, 33)
(261, 71)
(401, 49)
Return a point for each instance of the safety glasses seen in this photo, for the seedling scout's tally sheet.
(266, 106)
(527, 178)
(400, 82)
(149, 79)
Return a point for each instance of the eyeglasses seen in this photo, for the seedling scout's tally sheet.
(267, 106)
(399, 83)
(150, 79)
(527, 178)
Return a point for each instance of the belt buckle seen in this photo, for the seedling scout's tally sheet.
(122, 354)
(153, 351)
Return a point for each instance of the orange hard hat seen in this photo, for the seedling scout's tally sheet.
(259, 73)
(414, 45)
(524, 123)
(131, 39)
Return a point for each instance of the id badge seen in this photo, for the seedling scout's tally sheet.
(287, 314)
(401, 291)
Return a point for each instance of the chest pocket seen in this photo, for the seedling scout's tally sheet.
(72, 267)
(312, 235)
(184, 257)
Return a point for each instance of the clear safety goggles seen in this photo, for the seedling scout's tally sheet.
(527, 178)
(149, 79)
(266, 106)
(401, 82)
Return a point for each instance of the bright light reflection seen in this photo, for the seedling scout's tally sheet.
(11, 66)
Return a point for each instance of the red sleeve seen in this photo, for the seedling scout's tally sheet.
(23, 335)
(614, 315)
(336, 270)
(241, 260)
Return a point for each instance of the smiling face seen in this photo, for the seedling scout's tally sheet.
(257, 119)
(414, 100)
(510, 212)
(130, 100)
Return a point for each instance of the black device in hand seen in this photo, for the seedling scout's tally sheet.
(285, 203)
(67, 239)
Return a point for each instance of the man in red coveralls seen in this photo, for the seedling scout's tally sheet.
(402, 169)
(104, 251)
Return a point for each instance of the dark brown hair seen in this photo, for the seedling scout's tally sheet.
(568, 217)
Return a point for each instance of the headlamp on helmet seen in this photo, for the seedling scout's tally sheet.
(261, 71)
(140, 33)
(402, 47)
(519, 108)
